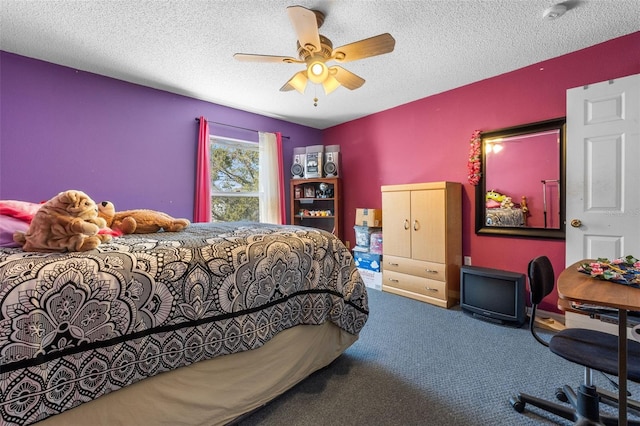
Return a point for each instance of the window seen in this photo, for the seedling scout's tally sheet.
(234, 180)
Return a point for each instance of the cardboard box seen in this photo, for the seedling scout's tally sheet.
(369, 217)
(368, 261)
(371, 279)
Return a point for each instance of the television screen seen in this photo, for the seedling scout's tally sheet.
(493, 294)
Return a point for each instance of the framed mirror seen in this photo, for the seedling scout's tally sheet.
(521, 192)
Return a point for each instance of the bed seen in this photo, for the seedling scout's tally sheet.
(506, 213)
(505, 217)
(194, 327)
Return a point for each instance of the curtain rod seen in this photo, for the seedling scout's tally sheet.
(237, 127)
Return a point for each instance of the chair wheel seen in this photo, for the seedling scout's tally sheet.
(561, 396)
(517, 404)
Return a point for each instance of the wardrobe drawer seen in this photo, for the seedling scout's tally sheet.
(413, 284)
(431, 270)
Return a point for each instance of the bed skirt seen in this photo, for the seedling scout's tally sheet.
(216, 391)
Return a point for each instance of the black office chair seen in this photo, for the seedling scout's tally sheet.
(594, 350)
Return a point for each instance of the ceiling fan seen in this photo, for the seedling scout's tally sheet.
(315, 50)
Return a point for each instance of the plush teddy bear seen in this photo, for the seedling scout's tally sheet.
(67, 222)
(507, 203)
(139, 221)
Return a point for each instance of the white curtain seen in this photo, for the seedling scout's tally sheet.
(269, 178)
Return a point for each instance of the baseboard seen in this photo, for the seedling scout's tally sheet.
(549, 320)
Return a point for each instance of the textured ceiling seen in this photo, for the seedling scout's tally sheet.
(187, 46)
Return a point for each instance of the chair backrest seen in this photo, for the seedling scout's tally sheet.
(541, 283)
(541, 278)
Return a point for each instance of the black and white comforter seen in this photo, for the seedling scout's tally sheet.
(76, 326)
(513, 217)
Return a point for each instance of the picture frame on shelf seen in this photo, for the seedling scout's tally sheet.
(309, 191)
(298, 192)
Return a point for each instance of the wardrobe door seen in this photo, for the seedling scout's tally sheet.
(428, 239)
(396, 223)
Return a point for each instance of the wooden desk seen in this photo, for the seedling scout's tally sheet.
(574, 286)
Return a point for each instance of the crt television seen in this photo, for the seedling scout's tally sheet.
(493, 295)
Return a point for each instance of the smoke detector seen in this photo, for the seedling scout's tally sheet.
(554, 12)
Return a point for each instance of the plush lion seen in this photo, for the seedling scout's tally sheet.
(139, 221)
(67, 222)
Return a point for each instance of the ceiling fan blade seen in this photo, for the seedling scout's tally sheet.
(346, 78)
(305, 24)
(378, 45)
(248, 57)
(297, 82)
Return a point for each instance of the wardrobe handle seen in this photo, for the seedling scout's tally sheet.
(415, 225)
(393, 280)
(430, 271)
(435, 290)
(393, 263)
(406, 224)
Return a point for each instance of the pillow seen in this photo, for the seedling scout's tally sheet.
(493, 204)
(8, 225)
(22, 210)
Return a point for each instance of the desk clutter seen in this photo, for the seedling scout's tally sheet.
(624, 270)
(367, 252)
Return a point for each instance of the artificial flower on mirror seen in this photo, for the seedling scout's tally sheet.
(473, 165)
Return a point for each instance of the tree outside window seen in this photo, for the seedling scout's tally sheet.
(234, 180)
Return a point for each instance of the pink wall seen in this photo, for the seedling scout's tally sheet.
(428, 140)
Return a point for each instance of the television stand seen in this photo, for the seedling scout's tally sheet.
(493, 320)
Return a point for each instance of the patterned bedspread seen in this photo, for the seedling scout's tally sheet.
(76, 326)
(505, 217)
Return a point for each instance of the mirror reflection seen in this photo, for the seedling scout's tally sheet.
(521, 191)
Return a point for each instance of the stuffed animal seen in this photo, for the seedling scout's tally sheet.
(495, 196)
(507, 203)
(139, 221)
(67, 222)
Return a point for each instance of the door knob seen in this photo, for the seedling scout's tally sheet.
(576, 223)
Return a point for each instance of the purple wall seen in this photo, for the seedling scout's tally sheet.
(428, 140)
(66, 129)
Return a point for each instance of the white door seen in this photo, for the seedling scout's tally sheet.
(603, 170)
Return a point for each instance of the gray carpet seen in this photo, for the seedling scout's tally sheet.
(417, 364)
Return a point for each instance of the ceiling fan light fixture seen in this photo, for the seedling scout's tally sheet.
(316, 69)
(330, 84)
(317, 72)
(298, 82)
